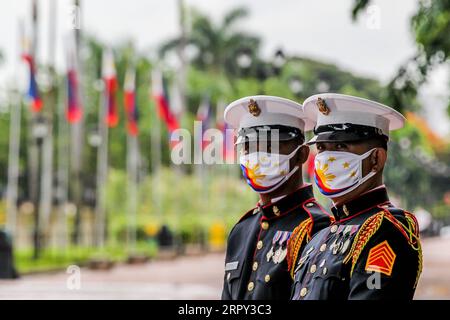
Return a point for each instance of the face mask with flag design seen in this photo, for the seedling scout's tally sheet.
(264, 171)
(337, 173)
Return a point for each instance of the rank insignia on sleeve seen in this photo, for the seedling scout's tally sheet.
(381, 258)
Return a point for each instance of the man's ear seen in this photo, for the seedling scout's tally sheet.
(378, 159)
(303, 154)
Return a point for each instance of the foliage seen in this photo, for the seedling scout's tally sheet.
(190, 203)
(430, 26)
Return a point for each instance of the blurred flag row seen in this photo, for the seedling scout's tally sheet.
(160, 95)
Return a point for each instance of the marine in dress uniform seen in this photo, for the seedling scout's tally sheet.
(372, 250)
(257, 257)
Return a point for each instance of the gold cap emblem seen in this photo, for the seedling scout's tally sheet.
(253, 108)
(323, 108)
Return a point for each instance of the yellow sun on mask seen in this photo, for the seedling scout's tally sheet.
(322, 173)
(252, 172)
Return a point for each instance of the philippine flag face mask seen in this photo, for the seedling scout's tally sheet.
(337, 173)
(264, 171)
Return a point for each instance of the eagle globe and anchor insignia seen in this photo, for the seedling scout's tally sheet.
(253, 108)
(322, 106)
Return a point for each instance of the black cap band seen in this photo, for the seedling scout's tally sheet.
(266, 133)
(346, 132)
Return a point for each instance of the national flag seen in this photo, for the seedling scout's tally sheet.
(228, 146)
(130, 102)
(28, 56)
(110, 80)
(160, 95)
(203, 115)
(74, 110)
(33, 90)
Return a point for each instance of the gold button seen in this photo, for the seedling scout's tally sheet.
(309, 204)
(276, 211)
(313, 268)
(303, 292)
(324, 271)
(334, 228)
(267, 278)
(255, 266)
(265, 225)
(250, 286)
(323, 247)
(259, 245)
(346, 210)
(228, 276)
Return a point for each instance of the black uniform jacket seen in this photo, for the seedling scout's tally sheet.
(371, 251)
(257, 260)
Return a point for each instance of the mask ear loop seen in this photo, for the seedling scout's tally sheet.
(290, 155)
(367, 154)
(371, 173)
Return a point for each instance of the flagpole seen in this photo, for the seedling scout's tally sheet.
(102, 168)
(35, 154)
(182, 55)
(48, 148)
(102, 171)
(132, 166)
(62, 171)
(156, 149)
(132, 158)
(77, 141)
(14, 145)
(13, 162)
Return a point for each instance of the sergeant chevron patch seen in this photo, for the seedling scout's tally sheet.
(381, 258)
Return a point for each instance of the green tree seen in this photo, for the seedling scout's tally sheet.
(219, 47)
(430, 26)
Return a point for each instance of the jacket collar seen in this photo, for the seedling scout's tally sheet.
(287, 203)
(364, 202)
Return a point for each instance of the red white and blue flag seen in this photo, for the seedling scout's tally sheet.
(160, 95)
(33, 90)
(227, 134)
(74, 109)
(130, 102)
(203, 115)
(110, 80)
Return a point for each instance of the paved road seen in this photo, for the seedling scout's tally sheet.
(195, 277)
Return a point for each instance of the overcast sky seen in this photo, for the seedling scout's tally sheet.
(374, 46)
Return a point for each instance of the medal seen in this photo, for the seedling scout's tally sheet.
(333, 245)
(282, 255)
(322, 263)
(347, 229)
(337, 247)
(276, 256)
(301, 262)
(345, 246)
(269, 254)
